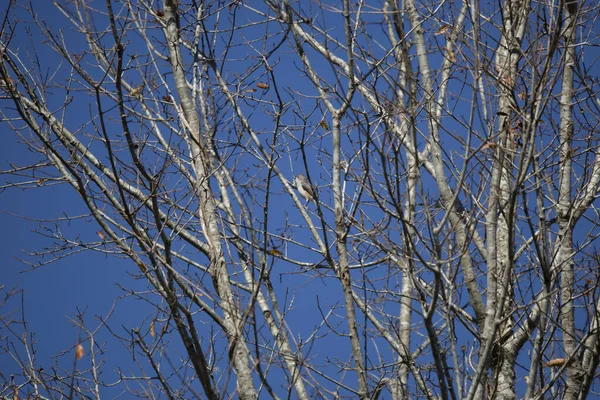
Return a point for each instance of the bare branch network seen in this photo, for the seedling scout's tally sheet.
(317, 200)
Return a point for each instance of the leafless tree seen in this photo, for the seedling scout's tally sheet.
(450, 152)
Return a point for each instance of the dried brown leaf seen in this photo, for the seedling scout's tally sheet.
(588, 288)
(6, 82)
(274, 252)
(443, 29)
(557, 362)
(142, 266)
(262, 85)
(79, 352)
(152, 333)
(101, 235)
(451, 56)
(489, 145)
(137, 90)
(323, 125)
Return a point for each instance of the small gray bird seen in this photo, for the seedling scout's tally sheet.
(304, 188)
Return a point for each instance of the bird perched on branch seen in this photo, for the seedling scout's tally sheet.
(304, 188)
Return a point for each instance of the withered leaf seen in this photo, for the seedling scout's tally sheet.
(101, 235)
(137, 90)
(152, 333)
(588, 288)
(262, 85)
(142, 266)
(557, 362)
(443, 29)
(79, 352)
(6, 82)
(451, 56)
(274, 252)
(323, 125)
(489, 145)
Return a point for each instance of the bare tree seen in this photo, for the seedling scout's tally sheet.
(448, 153)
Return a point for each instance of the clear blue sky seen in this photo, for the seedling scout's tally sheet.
(89, 281)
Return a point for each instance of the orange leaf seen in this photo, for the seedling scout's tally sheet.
(451, 56)
(152, 333)
(443, 29)
(6, 82)
(274, 252)
(137, 90)
(323, 125)
(489, 145)
(41, 181)
(142, 266)
(262, 85)
(79, 352)
(101, 235)
(557, 362)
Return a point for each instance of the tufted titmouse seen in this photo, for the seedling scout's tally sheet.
(304, 187)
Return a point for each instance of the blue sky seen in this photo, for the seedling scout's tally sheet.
(89, 281)
(54, 294)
